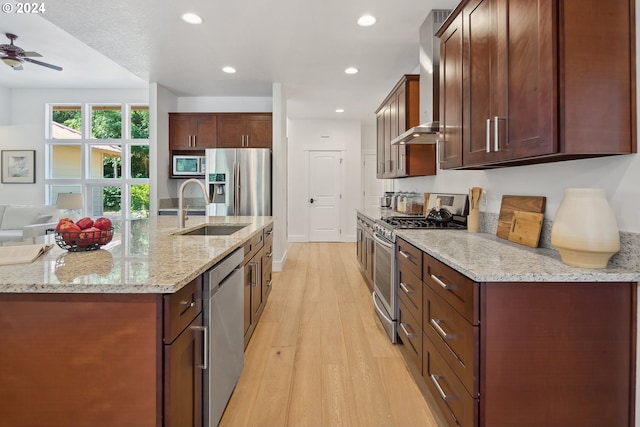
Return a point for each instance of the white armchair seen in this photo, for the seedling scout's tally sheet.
(23, 222)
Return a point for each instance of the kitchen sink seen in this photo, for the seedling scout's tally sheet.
(214, 230)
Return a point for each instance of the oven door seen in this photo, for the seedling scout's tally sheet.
(384, 295)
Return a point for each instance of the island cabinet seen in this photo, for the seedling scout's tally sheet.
(258, 266)
(518, 86)
(248, 130)
(526, 354)
(192, 131)
(102, 360)
(398, 112)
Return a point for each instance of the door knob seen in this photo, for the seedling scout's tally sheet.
(311, 200)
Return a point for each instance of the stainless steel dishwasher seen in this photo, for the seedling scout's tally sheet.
(224, 315)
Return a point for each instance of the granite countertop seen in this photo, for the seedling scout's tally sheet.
(143, 257)
(484, 257)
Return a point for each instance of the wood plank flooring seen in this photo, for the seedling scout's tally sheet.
(319, 356)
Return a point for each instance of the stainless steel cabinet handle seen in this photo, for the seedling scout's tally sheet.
(247, 140)
(406, 289)
(269, 254)
(187, 304)
(496, 121)
(269, 232)
(403, 326)
(441, 283)
(269, 283)
(195, 140)
(205, 347)
(436, 324)
(406, 255)
(488, 135)
(443, 395)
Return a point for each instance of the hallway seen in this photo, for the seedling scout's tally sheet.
(319, 356)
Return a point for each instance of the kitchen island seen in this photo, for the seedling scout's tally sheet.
(112, 337)
(499, 335)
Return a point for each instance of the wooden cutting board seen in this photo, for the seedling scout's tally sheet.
(517, 203)
(525, 228)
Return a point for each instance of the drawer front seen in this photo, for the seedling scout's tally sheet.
(410, 334)
(457, 405)
(181, 308)
(410, 257)
(455, 338)
(410, 292)
(458, 290)
(257, 242)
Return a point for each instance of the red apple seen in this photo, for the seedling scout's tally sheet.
(69, 233)
(102, 223)
(84, 223)
(88, 237)
(62, 221)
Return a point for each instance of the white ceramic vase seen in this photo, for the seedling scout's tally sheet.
(584, 230)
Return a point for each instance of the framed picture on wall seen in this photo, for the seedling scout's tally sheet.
(18, 166)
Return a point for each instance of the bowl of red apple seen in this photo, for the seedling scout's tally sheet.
(84, 234)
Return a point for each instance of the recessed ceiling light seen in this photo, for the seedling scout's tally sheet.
(351, 70)
(191, 18)
(229, 70)
(366, 20)
(339, 110)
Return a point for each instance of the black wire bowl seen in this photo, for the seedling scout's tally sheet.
(82, 241)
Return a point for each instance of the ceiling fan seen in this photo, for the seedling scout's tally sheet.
(15, 56)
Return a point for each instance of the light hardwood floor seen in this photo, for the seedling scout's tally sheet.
(319, 356)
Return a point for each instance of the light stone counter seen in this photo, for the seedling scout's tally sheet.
(484, 257)
(143, 257)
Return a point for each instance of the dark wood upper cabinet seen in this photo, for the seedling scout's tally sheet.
(401, 111)
(251, 130)
(536, 81)
(192, 131)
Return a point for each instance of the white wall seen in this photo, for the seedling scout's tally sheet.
(5, 108)
(305, 135)
(26, 130)
(164, 102)
(279, 170)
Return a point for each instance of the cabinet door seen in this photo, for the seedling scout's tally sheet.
(389, 160)
(370, 244)
(181, 132)
(451, 134)
(259, 131)
(206, 134)
(380, 169)
(256, 287)
(231, 131)
(183, 378)
(509, 80)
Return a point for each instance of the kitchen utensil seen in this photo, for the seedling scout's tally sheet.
(517, 203)
(385, 201)
(473, 219)
(439, 214)
(425, 208)
(525, 228)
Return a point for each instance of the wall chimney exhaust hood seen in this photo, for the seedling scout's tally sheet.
(422, 134)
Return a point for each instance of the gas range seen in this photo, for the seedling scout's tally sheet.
(456, 204)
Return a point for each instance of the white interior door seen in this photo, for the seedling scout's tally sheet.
(372, 188)
(325, 178)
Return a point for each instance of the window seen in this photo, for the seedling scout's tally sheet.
(86, 153)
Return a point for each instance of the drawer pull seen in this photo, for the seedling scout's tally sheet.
(443, 395)
(269, 254)
(436, 324)
(406, 255)
(406, 289)
(268, 284)
(441, 283)
(403, 326)
(187, 304)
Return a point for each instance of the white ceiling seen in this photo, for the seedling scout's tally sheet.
(304, 45)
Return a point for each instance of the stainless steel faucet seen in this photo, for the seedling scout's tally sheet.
(181, 211)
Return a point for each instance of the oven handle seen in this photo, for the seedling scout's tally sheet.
(380, 312)
(382, 242)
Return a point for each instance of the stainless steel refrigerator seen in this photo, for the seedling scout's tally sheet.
(238, 181)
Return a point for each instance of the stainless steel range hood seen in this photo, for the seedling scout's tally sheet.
(422, 134)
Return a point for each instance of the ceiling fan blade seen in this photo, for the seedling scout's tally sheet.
(44, 64)
(18, 68)
(32, 54)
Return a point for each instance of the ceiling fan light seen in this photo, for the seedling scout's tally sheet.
(366, 20)
(11, 62)
(229, 69)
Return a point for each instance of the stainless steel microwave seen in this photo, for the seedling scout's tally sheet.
(185, 165)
